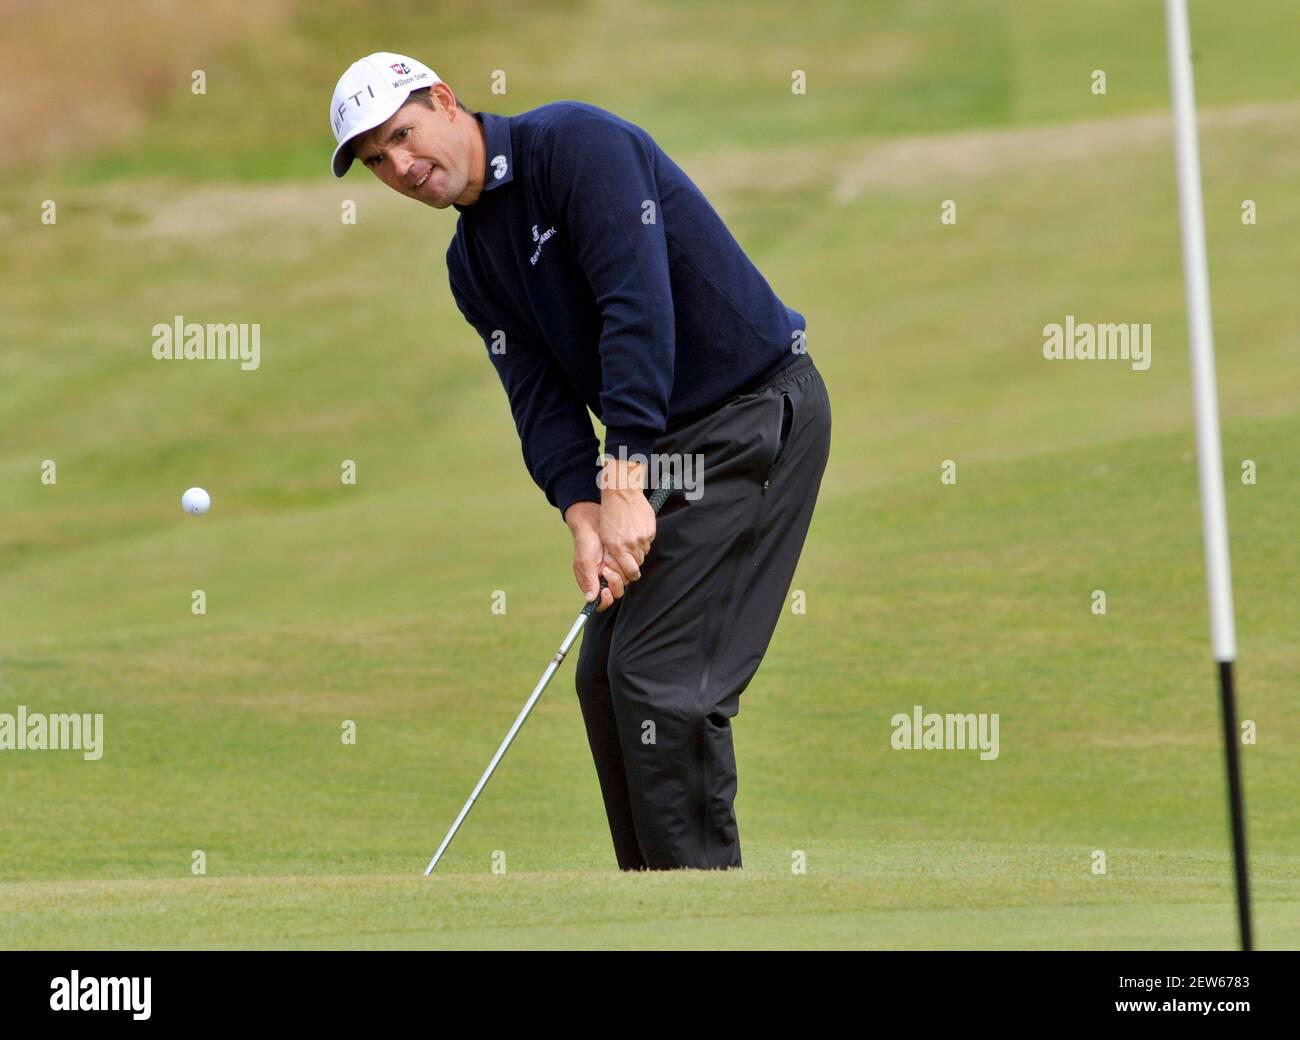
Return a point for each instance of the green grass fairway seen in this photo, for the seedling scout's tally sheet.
(876, 894)
(329, 603)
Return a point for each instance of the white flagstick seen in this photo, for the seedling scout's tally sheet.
(1209, 453)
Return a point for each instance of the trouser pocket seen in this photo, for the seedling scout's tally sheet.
(784, 426)
(787, 423)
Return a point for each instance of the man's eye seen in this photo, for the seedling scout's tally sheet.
(401, 134)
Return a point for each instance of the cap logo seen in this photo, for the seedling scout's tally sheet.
(344, 104)
(401, 68)
(403, 81)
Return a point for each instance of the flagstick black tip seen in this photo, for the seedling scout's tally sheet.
(1228, 701)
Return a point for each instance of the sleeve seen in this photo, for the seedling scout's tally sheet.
(603, 187)
(554, 429)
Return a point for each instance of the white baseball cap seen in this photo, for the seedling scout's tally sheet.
(368, 93)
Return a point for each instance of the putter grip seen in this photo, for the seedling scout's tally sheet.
(657, 499)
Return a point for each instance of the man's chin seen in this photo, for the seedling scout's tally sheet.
(428, 200)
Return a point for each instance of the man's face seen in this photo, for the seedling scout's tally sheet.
(421, 152)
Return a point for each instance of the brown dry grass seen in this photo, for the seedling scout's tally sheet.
(856, 167)
(77, 76)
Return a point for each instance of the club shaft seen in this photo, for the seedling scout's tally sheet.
(657, 498)
(533, 698)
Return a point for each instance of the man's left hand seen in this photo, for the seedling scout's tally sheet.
(627, 523)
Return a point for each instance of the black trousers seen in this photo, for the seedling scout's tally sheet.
(661, 672)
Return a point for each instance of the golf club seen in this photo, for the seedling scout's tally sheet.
(657, 499)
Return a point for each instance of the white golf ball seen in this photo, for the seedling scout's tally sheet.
(196, 501)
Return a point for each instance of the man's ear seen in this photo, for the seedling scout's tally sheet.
(446, 97)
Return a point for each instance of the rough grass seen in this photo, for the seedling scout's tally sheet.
(77, 78)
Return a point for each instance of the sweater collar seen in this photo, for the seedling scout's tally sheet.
(499, 161)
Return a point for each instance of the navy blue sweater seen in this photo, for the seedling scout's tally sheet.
(600, 277)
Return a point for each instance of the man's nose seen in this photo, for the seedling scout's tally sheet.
(402, 164)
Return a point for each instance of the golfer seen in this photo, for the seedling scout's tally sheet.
(600, 278)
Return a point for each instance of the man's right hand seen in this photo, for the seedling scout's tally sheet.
(583, 519)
